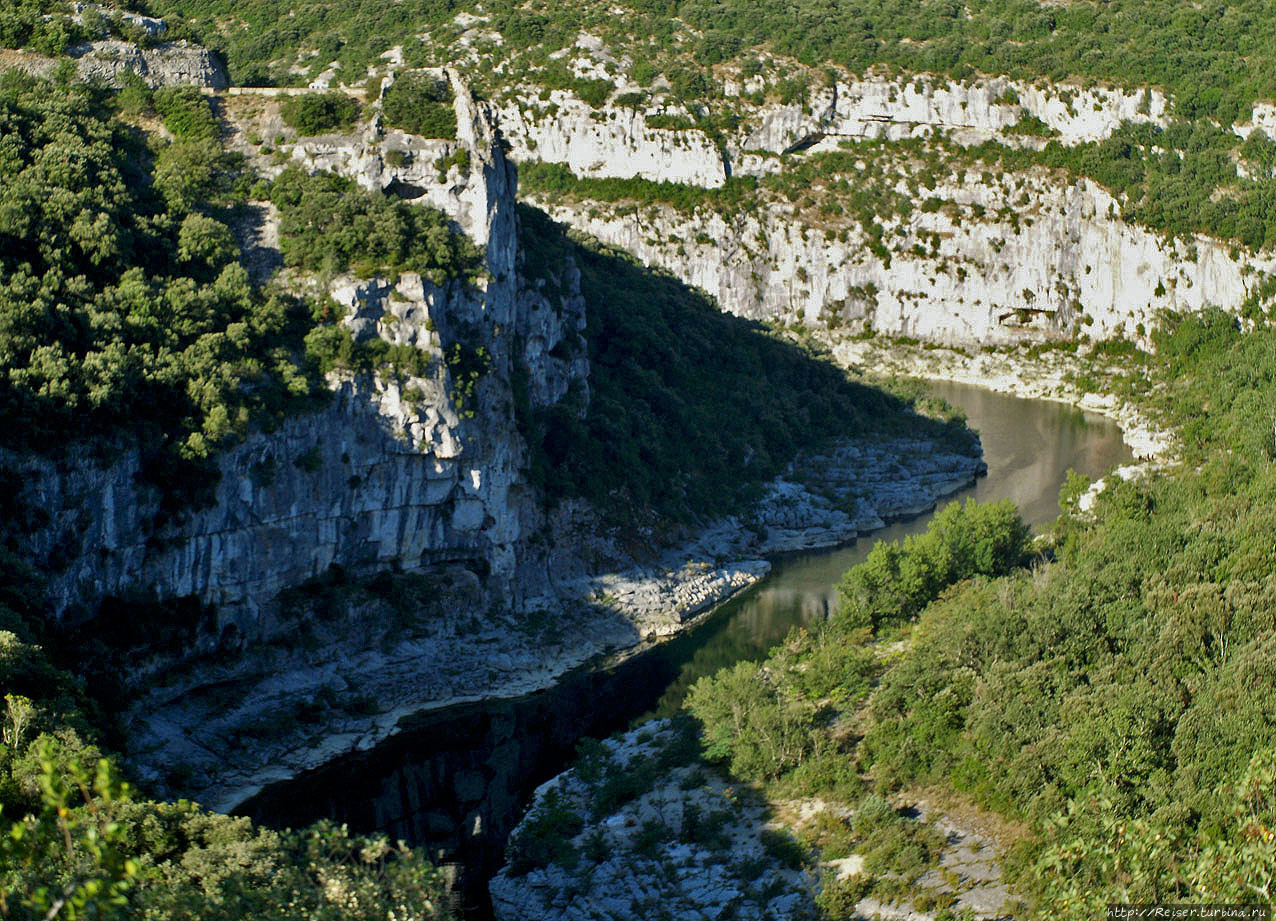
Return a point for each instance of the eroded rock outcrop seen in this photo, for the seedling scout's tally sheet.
(984, 109)
(395, 472)
(662, 141)
(166, 64)
(971, 270)
(1003, 258)
(678, 837)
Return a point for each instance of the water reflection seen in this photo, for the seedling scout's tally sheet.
(1029, 446)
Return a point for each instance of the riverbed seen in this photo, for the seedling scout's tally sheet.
(455, 781)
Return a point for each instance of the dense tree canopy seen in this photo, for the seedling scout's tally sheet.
(420, 104)
(123, 300)
(1215, 57)
(329, 224)
(1118, 700)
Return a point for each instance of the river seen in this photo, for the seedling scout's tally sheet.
(455, 781)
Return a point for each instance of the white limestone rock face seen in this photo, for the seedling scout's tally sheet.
(610, 142)
(881, 108)
(1262, 117)
(393, 473)
(1062, 265)
(688, 845)
(168, 64)
(615, 141)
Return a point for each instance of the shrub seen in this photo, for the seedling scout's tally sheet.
(186, 112)
(329, 224)
(545, 836)
(420, 104)
(320, 113)
(749, 723)
(899, 579)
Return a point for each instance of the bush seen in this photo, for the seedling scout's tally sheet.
(329, 224)
(748, 723)
(320, 113)
(420, 104)
(545, 836)
(134, 315)
(186, 112)
(899, 579)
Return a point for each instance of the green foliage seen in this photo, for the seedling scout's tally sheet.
(198, 865)
(891, 843)
(186, 112)
(262, 44)
(1031, 126)
(1032, 692)
(95, 853)
(594, 92)
(320, 113)
(460, 158)
(1114, 698)
(557, 181)
(1215, 58)
(67, 860)
(750, 722)
(43, 26)
(467, 365)
(330, 225)
(838, 898)
(1180, 179)
(124, 309)
(783, 849)
(544, 837)
(1240, 865)
(898, 580)
(75, 842)
(420, 104)
(666, 367)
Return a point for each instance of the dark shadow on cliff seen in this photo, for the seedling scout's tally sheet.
(690, 409)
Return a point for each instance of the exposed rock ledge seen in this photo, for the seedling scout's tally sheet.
(699, 847)
(1041, 378)
(690, 844)
(220, 741)
(165, 64)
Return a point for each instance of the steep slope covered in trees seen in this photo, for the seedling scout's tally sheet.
(1108, 697)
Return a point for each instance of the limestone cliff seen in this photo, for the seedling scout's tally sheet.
(1001, 258)
(164, 64)
(971, 271)
(107, 61)
(262, 675)
(400, 473)
(661, 140)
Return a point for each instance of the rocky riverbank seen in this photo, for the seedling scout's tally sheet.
(1048, 375)
(385, 553)
(639, 829)
(285, 708)
(965, 875)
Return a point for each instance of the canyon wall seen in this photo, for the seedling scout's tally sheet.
(620, 141)
(968, 272)
(1003, 258)
(395, 471)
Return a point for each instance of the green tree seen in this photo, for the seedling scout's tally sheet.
(320, 113)
(420, 104)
